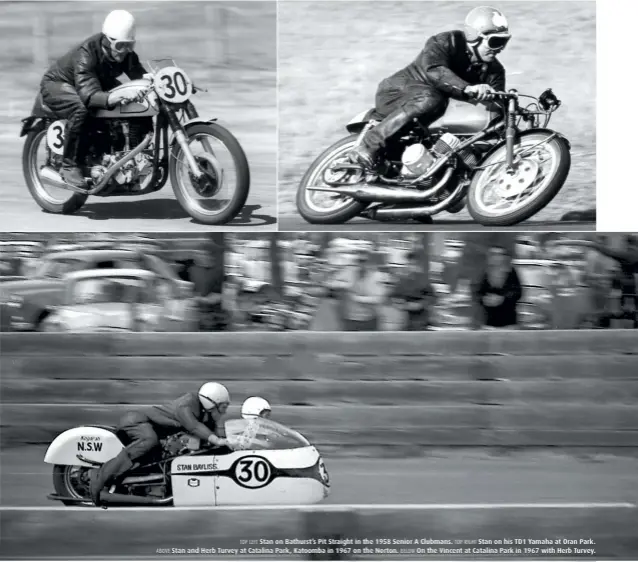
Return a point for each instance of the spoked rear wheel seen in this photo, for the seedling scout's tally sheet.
(73, 481)
(50, 198)
(322, 207)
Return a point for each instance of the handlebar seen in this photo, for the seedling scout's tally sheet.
(496, 93)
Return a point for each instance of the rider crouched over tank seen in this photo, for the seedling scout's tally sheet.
(453, 64)
(198, 413)
(79, 81)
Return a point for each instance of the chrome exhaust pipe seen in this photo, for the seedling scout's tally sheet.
(413, 212)
(120, 499)
(143, 479)
(370, 193)
(50, 176)
(55, 178)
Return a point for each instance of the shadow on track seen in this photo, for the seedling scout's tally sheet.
(164, 209)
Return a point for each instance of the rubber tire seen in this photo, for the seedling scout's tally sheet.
(241, 164)
(551, 191)
(69, 207)
(60, 487)
(339, 217)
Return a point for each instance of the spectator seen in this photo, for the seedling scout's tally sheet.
(414, 294)
(624, 284)
(499, 290)
(364, 290)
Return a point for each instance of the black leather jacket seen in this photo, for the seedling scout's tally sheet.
(445, 64)
(86, 68)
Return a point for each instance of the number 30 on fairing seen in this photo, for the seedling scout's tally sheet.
(173, 85)
(55, 136)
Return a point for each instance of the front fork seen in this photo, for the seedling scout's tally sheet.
(182, 140)
(510, 133)
(191, 113)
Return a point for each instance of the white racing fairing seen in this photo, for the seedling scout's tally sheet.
(275, 466)
(94, 444)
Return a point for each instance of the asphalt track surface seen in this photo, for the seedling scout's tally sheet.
(297, 223)
(448, 479)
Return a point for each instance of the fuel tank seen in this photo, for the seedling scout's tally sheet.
(462, 118)
(142, 109)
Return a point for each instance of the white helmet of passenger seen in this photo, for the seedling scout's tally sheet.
(214, 395)
(255, 407)
(119, 28)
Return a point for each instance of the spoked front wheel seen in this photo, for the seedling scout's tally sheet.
(323, 207)
(499, 196)
(219, 195)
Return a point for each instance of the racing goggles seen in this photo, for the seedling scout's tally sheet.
(497, 41)
(120, 46)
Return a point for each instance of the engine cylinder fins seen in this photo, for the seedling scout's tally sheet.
(468, 158)
(446, 143)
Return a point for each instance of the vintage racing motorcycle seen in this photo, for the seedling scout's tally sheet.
(274, 465)
(496, 157)
(129, 152)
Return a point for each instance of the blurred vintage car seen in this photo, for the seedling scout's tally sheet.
(24, 304)
(18, 258)
(105, 300)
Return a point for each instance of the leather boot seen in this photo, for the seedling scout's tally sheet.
(71, 172)
(108, 472)
(376, 137)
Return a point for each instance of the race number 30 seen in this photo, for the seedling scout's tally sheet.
(55, 136)
(173, 85)
(253, 472)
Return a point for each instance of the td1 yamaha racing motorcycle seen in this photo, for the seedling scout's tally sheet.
(128, 151)
(477, 154)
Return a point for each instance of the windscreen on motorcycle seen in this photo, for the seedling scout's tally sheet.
(264, 434)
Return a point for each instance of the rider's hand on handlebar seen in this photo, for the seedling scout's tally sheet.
(480, 92)
(123, 97)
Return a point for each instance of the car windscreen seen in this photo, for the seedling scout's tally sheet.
(108, 290)
(263, 434)
(55, 268)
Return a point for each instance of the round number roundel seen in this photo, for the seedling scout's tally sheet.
(173, 85)
(253, 472)
(55, 136)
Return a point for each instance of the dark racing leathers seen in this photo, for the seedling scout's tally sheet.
(422, 90)
(77, 82)
(145, 427)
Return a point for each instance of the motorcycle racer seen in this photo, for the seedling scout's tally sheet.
(453, 64)
(79, 81)
(193, 412)
(255, 407)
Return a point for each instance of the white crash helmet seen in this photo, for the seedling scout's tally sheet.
(484, 23)
(119, 28)
(213, 394)
(253, 407)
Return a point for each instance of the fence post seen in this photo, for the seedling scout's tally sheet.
(216, 18)
(40, 40)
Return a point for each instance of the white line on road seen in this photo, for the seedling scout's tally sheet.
(337, 507)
